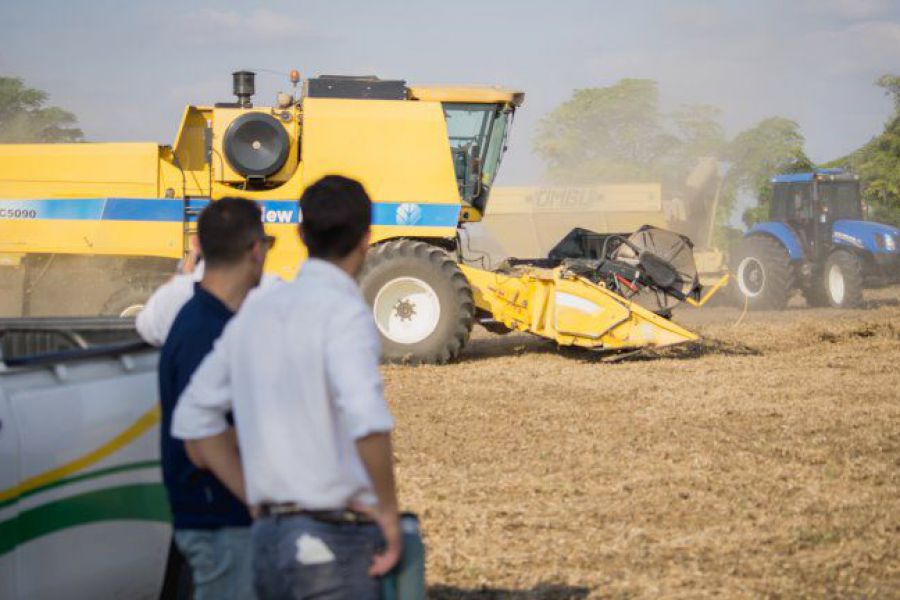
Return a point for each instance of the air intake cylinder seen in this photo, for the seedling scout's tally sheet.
(244, 87)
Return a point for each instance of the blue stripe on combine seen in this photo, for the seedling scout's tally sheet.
(170, 210)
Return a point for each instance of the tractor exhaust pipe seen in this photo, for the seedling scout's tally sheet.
(244, 86)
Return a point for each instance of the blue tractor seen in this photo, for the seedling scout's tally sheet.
(816, 240)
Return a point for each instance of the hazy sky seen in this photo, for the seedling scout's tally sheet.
(126, 68)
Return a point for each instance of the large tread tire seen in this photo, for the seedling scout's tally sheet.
(409, 259)
(848, 267)
(128, 301)
(764, 278)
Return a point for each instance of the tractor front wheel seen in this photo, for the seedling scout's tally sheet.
(762, 273)
(421, 301)
(842, 280)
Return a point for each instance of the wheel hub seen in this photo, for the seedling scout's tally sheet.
(405, 309)
(751, 277)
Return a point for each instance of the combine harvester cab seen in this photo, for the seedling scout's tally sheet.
(91, 229)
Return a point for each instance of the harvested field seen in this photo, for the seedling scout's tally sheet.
(761, 462)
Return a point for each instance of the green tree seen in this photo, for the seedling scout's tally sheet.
(609, 134)
(878, 162)
(772, 146)
(25, 118)
(618, 134)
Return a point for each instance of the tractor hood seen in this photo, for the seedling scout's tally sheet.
(877, 238)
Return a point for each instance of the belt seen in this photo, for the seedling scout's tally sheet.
(335, 517)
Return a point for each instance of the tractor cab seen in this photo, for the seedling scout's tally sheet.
(810, 203)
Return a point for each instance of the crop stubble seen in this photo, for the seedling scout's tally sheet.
(761, 462)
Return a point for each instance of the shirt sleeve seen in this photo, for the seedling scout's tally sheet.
(202, 409)
(352, 358)
(156, 318)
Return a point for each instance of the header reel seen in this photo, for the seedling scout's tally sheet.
(653, 267)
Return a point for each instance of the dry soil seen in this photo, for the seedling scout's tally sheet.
(763, 461)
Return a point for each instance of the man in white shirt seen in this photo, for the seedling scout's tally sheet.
(299, 368)
(159, 312)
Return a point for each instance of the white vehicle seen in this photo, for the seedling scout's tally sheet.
(83, 512)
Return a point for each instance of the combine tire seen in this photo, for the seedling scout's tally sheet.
(762, 273)
(421, 301)
(842, 280)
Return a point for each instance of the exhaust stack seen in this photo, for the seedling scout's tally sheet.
(244, 86)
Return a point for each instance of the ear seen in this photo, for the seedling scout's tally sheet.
(365, 241)
(257, 253)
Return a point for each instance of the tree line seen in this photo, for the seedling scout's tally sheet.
(619, 134)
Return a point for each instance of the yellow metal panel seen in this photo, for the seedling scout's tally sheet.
(529, 221)
(79, 170)
(569, 310)
(580, 310)
(126, 238)
(190, 170)
(285, 258)
(479, 94)
(397, 149)
(190, 144)
(627, 197)
(290, 190)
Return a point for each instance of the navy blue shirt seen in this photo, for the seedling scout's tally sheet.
(198, 500)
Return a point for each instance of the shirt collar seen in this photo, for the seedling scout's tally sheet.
(211, 302)
(329, 273)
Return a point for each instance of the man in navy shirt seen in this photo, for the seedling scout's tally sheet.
(210, 518)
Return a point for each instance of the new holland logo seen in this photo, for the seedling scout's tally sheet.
(409, 214)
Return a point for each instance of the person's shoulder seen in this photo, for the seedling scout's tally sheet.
(269, 286)
(269, 293)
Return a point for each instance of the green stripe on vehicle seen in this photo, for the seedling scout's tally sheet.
(83, 477)
(136, 502)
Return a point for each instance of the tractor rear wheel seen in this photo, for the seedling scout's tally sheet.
(842, 279)
(762, 272)
(421, 301)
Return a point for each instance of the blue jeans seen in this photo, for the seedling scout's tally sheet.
(221, 561)
(298, 557)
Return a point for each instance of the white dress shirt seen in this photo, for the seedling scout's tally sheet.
(299, 367)
(155, 319)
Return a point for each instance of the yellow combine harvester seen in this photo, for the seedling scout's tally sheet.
(93, 228)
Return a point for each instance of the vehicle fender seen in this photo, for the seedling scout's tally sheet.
(781, 232)
(863, 235)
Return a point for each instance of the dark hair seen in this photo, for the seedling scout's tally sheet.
(337, 214)
(227, 228)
